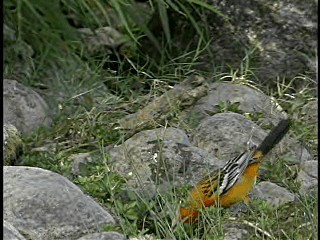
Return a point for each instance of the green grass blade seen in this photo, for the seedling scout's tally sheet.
(165, 21)
(123, 19)
(209, 7)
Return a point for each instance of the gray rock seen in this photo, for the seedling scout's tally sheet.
(310, 112)
(79, 162)
(248, 100)
(273, 194)
(156, 160)
(311, 168)
(10, 233)
(144, 10)
(225, 135)
(308, 177)
(309, 116)
(12, 144)
(23, 107)
(45, 205)
(234, 233)
(159, 111)
(101, 39)
(104, 236)
(279, 37)
(144, 237)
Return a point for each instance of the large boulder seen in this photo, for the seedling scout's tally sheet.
(158, 159)
(10, 232)
(280, 38)
(224, 96)
(42, 204)
(225, 135)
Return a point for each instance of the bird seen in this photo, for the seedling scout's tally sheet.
(233, 182)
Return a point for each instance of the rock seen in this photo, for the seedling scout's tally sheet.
(225, 135)
(140, 15)
(309, 116)
(296, 153)
(92, 96)
(104, 236)
(281, 36)
(102, 39)
(10, 233)
(23, 107)
(311, 168)
(310, 113)
(45, 205)
(79, 162)
(235, 233)
(273, 194)
(241, 207)
(181, 96)
(50, 147)
(144, 237)
(308, 177)
(156, 160)
(245, 99)
(12, 144)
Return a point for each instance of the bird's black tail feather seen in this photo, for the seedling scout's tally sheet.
(274, 136)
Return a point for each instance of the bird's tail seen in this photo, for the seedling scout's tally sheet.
(274, 136)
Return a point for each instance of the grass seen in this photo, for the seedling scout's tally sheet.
(139, 216)
(89, 93)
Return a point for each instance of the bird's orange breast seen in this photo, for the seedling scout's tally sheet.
(235, 194)
(242, 188)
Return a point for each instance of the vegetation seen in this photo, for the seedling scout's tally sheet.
(89, 91)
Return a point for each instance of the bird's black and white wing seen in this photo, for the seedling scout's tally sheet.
(233, 170)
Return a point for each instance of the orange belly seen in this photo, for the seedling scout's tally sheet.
(235, 194)
(241, 189)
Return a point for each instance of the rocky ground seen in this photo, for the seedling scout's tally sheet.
(83, 163)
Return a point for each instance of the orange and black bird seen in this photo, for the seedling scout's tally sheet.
(232, 183)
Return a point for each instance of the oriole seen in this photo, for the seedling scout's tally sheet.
(232, 183)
